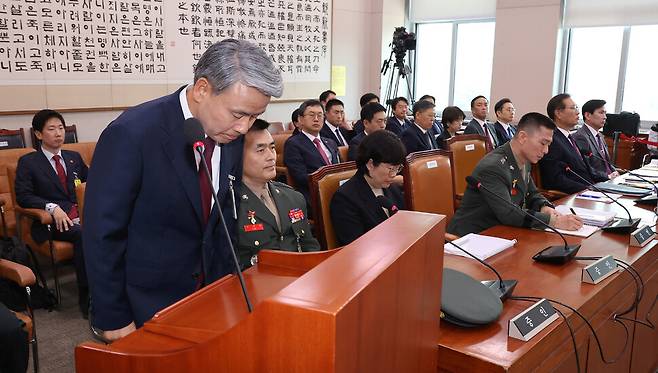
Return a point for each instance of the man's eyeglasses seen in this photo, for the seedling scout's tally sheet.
(314, 115)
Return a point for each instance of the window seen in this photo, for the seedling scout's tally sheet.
(615, 64)
(593, 64)
(641, 75)
(455, 61)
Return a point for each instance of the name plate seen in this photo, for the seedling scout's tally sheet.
(469, 147)
(432, 164)
(531, 321)
(599, 270)
(642, 236)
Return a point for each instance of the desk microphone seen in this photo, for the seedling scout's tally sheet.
(620, 225)
(551, 254)
(651, 199)
(502, 288)
(194, 134)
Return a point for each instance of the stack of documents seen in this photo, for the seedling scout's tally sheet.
(480, 246)
(590, 217)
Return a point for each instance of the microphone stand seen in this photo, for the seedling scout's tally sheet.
(502, 288)
(551, 254)
(199, 149)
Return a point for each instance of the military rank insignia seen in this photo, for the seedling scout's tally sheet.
(296, 215)
(251, 215)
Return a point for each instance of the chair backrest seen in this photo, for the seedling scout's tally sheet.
(80, 197)
(275, 127)
(323, 183)
(86, 150)
(70, 136)
(9, 158)
(429, 182)
(467, 151)
(12, 139)
(342, 153)
(279, 142)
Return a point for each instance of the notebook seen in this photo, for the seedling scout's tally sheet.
(482, 247)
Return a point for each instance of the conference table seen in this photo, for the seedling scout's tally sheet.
(489, 349)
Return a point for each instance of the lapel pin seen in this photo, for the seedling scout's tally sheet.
(244, 197)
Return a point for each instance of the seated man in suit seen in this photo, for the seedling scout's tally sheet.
(479, 125)
(369, 197)
(563, 151)
(366, 98)
(13, 343)
(505, 114)
(506, 172)
(398, 122)
(46, 179)
(591, 144)
(306, 152)
(272, 215)
(451, 120)
(326, 96)
(419, 136)
(334, 119)
(373, 117)
(437, 128)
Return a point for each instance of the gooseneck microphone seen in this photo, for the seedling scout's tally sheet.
(619, 225)
(194, 134)
(551, 254)
(502, 288)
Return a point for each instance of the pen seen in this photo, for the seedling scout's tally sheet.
(572, 211)
(590, 196)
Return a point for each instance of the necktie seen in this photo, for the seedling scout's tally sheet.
(608, 169)
(269, 203)
(204, 182)
(488, 135)
(510, 132)
(316, 141)
(429, 138)
(573, 143)
(340, 138)
(61, 175)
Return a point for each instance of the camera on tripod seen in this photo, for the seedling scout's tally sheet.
(403, 41)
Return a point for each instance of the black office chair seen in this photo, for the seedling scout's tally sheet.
(12, 139)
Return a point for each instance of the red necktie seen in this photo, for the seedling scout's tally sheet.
(608, 169)
(61, 174)
(204, 182)
(316, 141)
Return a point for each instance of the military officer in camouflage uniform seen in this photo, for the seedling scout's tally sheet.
(272, 215)
(506, 172)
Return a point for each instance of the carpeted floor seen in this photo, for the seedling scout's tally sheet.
(59, 331)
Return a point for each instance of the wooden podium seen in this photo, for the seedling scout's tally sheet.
(373, 305)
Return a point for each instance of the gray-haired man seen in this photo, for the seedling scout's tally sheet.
(151, 227)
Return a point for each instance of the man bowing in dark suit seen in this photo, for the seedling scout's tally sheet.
(419, 136)
(46, 179)
(563, 150)
(151, 226)
(307, 151)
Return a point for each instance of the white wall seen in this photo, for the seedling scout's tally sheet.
(525, 53)
(356, 43)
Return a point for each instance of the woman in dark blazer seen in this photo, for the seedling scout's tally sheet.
(369, 197)
(452, 119)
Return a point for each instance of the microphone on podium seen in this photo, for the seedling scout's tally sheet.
(552, 254)
(618, 226)
(194, 135)
(502, 288)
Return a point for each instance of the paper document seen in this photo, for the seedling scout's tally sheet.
(591, 195)
(480, 246)
(590, 217)
(584, 231)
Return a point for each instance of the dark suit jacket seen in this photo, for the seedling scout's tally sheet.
(502, 135)
(474, 128)
(415, 140)
(37, 184)
(499, 172)
(358, 127)
(551, 166)
(442, 140)
(302, 158)
(265, 233)
(326, 132)
(355, 209)
(143, 231)
(393, 125)
(587, 144)
(353, 149)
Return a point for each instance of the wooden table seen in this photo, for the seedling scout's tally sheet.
(489, 349)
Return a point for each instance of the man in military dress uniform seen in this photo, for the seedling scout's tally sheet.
(506, 172)
(272, 215)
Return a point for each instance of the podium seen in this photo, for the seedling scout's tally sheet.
(373, 305)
